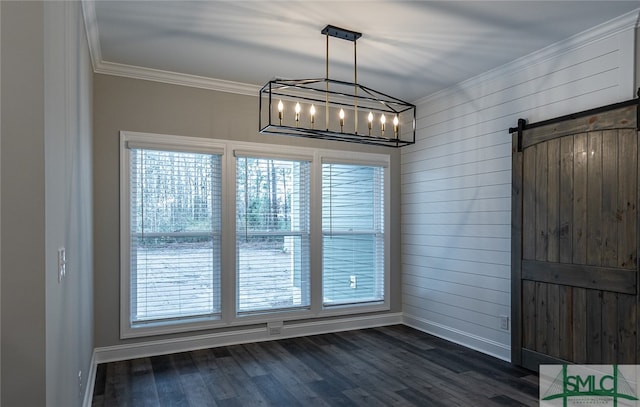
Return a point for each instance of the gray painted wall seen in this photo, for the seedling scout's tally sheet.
(23, 210)
(145, 106)
(46, 203)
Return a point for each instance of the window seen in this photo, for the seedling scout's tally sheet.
(272, 234)
(174, 235)
(211, 239)
(353, 233)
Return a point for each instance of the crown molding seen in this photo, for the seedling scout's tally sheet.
(625, 22)
(137, 72)
(93, 34)
(174, 78)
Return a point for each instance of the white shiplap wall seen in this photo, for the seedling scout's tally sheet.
(456, 179)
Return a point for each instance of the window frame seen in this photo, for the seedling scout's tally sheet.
(229, 316)
(129, 140)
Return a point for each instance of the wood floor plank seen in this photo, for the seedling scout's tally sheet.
(275, 391)
(288, 371)
(421, 398)
(167, 382)
(196, 390)
(331, 393)
(211, 374)
(363, 398)
(246, 392)
(248, 362)
(386, 366)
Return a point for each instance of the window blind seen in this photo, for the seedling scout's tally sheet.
(353, 233)
(175, 211)
(272, 234)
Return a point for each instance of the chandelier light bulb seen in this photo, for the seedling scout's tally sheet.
(312, 113)
(395, 125)
(383, 120)
(297, 112)
(341, 119)
(280, 111)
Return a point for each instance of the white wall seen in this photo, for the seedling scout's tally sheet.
(68, 208)
(456, 179)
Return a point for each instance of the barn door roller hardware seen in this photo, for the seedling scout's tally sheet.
(523, 125)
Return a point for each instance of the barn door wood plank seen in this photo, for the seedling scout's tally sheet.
(541, 318)
(623, 118)
(528, 204)
(566, 200)
(529, 315)
(609, 327)
(542, 232)
(610, 198)
(579, 325)
(627, 331)
(575, 275)
(627, 199)
(565, 322)
(580, 199)
(553, 317)
(553, 200)
(594, 326)
(594, 199)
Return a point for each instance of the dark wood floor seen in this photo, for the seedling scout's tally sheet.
(390, 366)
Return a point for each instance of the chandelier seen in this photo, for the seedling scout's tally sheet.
(331, 109)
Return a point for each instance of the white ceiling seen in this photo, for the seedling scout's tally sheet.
(409, 49)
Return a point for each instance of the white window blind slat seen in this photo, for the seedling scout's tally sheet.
(272, 155)
(356, 161)
(184, 147)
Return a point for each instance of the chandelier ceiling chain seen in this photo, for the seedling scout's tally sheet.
(344, 101)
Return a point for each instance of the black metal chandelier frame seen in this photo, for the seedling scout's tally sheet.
(335, 96)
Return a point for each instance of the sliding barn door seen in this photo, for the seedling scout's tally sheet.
(575, 241)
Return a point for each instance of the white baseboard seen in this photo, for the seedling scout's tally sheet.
(465, 339)
(91, 382)
(240, 336)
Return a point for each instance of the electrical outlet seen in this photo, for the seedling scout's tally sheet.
(504, 322)
(62, 264)
(274, 328)
(352, 282)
